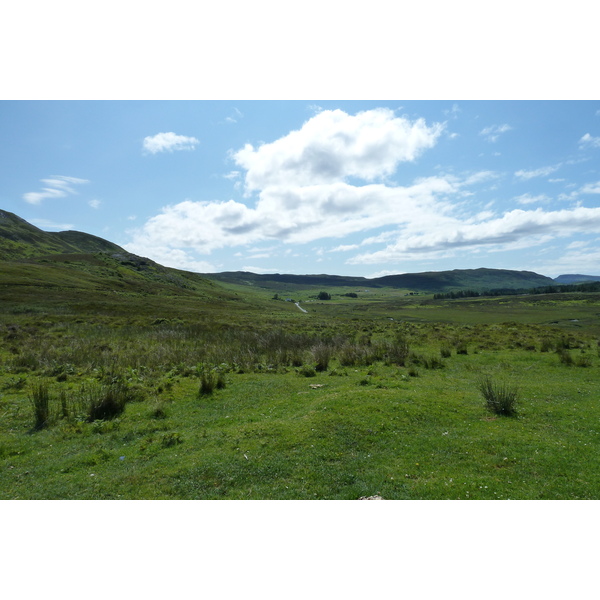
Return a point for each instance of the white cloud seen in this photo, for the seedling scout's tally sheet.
(168, 142)
(589, 141)
(263, 270)
(515, 229)
(529, 199)
(333, 145)
(47, 224)
(331, 178)
(59, 186)
(541, 172)
(171, 257)
(95, 203)
(591, 188)
(345, 248)
(453, 112)
(303, 195)
(493, 132)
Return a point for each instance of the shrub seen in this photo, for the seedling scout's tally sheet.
(170, 439)
(564, 356)
(322, 355)
(210, 380)
(398, 351)
(349, 355)
(446, 351)
(158, 411)
(461, 348)
(500, 398)
(307, 371)
(583, 361)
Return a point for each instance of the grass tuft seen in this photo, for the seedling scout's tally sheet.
(500, 398)
(40, 400)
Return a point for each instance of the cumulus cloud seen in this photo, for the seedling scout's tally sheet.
(334, 177)
(303, 192)
(493, 132)
(295, 214)
(588, 141)
(168, 142)
(58, 186)
(333, 146)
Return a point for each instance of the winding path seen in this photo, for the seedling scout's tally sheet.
(298, 305)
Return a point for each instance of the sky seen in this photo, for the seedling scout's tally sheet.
(364, 188)
(485, 156)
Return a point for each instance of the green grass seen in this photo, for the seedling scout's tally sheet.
(272, 432)
(123, 380)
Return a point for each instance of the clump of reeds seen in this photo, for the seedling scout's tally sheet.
(500, 398)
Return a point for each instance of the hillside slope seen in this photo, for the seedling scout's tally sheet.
(70, 270)
(473, 279)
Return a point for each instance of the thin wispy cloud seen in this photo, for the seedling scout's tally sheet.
(588, 141)
(234, 117)
(57, 186)
(493, 132)
(541, 172)
(168, 142)
(48, 224)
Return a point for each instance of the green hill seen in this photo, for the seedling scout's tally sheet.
(71, 271)
(70, 266)
(20, 239)
(430, 282)
(472, 279)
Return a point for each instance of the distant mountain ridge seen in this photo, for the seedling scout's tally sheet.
(429, 282)
(568, 279)
(20, 240)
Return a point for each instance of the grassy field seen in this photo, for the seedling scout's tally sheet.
(226, 393)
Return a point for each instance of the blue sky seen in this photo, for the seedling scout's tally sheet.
(350, 187)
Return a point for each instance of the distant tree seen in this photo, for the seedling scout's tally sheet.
(276, 297)
(324, 296)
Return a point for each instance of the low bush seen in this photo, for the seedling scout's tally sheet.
(307, 371)
(210, 380)
(322, 355)
(564, 356)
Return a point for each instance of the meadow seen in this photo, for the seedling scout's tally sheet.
(242, 396)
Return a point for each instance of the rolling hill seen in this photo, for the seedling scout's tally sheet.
(31, 256)
(430, 282)
(70, 270)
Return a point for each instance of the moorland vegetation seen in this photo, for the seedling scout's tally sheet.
(122, 379)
